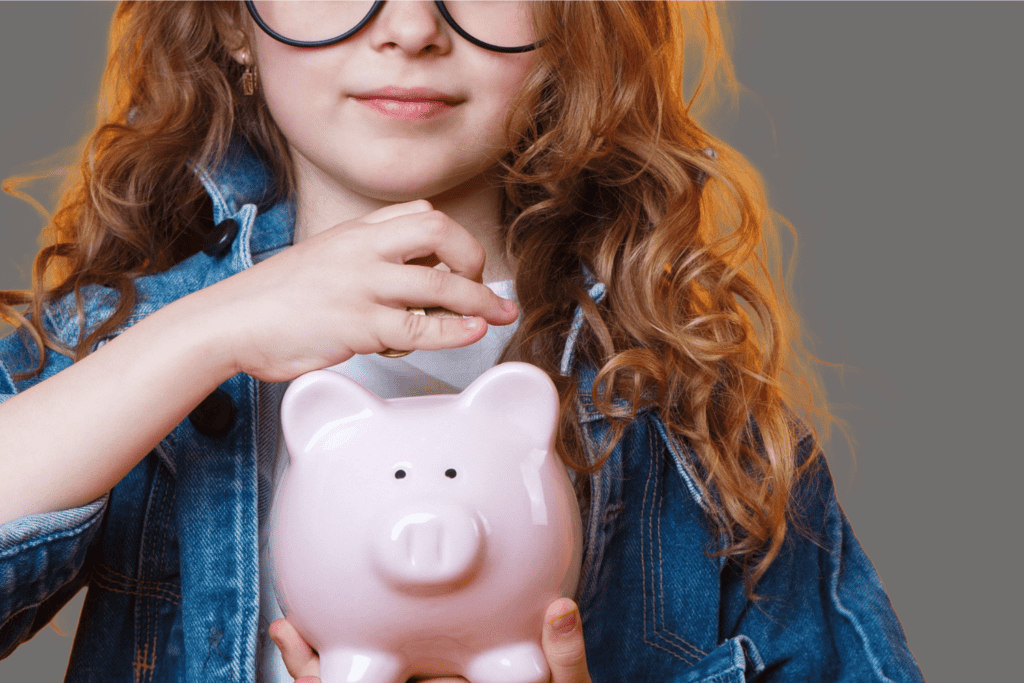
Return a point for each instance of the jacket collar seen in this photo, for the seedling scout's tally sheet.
(243, 178)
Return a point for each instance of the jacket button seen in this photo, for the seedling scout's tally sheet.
(214, 416)
(218, 241)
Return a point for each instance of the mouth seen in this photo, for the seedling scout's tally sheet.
(407, 109)
(395, 93)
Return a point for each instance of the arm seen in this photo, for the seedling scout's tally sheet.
(824, 615)
(65, 443)
(67, 439)
(316, 304)
(113, 406)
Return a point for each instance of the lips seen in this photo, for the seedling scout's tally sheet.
(408, 109)
(393, 92)
(408, 103)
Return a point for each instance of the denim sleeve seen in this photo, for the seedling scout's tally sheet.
(823, 614)
(41, 560)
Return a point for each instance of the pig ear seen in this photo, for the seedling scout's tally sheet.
(318, 399)
(517, 393)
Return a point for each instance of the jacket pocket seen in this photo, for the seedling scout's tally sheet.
(734, 661)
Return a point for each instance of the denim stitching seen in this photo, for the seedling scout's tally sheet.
(646, 541)
(167, 536)
(143, 616)
(834, 590)
(643, 567)
(662, 630)
(139, 664)
(245, 640)
(149, 649)
(140, 591)
(570, 341)
(118, 577)
(56, 536)
(154, 587)
(219, 205)
(164, 455)
(680, 462)
(643, 571)
(159, 502)
(173, 491)
(596, 292)
(247, 214)
(747, 650)
(107, 582)
(34, 605)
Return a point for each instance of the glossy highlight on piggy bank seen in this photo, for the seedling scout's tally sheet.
(424, 536)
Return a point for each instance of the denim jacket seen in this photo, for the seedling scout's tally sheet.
(170, 556)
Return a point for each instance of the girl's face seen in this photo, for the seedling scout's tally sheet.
(344, 139)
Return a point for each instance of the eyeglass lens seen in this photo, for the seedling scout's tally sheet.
(503, 23)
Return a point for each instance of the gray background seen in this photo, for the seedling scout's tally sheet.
(888, 135)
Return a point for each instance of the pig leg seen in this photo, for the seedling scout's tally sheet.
(359, 666)
(515, 663)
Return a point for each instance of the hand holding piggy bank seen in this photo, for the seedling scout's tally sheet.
(424, 536)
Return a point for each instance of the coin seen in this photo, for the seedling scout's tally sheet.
(433, 312)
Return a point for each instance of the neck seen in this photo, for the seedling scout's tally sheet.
(475, 205)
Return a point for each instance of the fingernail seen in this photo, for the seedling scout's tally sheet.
(471, 323)
(564, 624)
(509, 305)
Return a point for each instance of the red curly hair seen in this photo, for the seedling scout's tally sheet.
(607, 167)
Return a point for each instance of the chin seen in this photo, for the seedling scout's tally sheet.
(448, 189)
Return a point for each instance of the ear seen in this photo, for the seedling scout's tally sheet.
(316, 402)
(516, 393)
(227, 21)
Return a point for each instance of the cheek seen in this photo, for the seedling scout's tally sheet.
(506, 80)
(294, 84)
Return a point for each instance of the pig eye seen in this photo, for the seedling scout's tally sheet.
(399, 474)
(450, 473)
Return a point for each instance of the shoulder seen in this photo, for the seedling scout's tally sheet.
(71, 317)
(63, 320)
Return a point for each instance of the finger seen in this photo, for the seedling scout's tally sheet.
(417, 235)
(424, 287)
(428, 261)
(404, 330)
(395, 210)
(298, 656)
(562, 642)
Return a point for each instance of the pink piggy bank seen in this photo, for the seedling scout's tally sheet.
(424, 536)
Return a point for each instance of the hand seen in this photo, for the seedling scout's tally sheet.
(561, 640)
(345, 291)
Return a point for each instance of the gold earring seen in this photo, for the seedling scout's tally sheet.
(249, 80)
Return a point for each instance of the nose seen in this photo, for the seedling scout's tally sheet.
(428, 545)
(412, 26)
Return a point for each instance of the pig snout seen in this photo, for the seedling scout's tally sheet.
(428, 545)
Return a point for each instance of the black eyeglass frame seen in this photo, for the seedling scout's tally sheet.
(365, 20)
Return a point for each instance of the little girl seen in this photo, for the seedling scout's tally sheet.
(275, 188)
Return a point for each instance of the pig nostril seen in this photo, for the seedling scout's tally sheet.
(400, 474)
(450, 473)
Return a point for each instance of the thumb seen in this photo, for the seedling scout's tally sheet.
(562, 641)
(299, 658)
